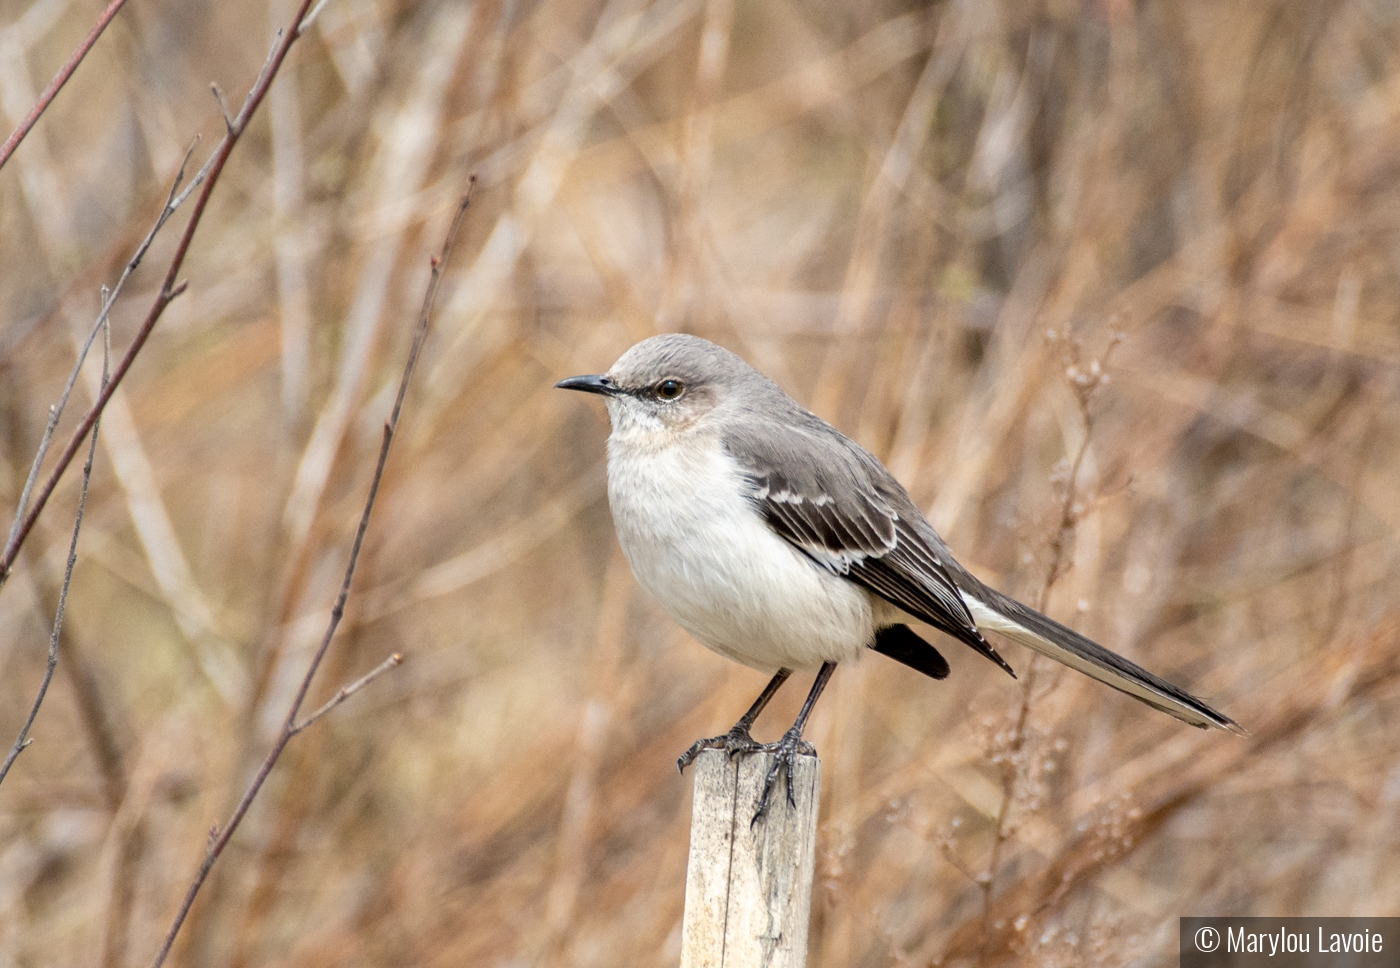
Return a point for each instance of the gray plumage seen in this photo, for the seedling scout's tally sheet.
(780, 542)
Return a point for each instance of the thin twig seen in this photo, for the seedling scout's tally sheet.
(173, 200)
(347, 691)
(171, 286)
(1183, 772)
(1085, 384)
(219, 838)
(223, 107)
(59, 79)
(22, 741)
(310, 18)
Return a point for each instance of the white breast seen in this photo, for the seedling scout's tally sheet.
(702, 551)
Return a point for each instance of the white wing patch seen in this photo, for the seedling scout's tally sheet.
(835, 539)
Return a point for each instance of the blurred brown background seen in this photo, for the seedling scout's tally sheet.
(898, 212)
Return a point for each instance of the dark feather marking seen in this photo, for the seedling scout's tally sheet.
(902, 645)
(892, 581)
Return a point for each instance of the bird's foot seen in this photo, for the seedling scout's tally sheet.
(785, 753)
(734, 742)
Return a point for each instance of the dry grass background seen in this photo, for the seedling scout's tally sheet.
(885, 207)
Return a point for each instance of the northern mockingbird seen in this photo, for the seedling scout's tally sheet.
(779, 542)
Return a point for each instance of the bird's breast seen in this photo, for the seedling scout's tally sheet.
(700, 548)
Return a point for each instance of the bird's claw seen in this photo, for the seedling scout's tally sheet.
(785, 753)
(734, 742)
(737, 740)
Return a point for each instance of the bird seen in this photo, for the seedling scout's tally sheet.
(777, 541)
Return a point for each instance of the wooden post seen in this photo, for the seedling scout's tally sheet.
(748, 889)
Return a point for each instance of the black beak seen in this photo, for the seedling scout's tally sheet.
(590, 384)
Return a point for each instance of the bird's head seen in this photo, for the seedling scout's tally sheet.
(665, 385)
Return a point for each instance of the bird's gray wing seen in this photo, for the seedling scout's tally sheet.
(836, 503)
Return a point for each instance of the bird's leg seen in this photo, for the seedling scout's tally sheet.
(792, 745)
(737, 740)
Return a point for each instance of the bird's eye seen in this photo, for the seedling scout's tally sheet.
(669, 389)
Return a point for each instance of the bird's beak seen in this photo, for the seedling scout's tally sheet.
(590, 384)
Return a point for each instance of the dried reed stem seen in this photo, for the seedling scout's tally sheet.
(219, 838)
(1084, 385)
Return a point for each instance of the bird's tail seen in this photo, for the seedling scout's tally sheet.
(992, 610)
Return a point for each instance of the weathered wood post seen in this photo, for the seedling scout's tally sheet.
(748, 887)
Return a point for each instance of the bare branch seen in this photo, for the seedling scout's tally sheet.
(109, 297)
(59, 79)
(219, 837)
(22, 741)
(311, 17)
(223, 107)
(347, 691)
(169, 288)
(269, 68)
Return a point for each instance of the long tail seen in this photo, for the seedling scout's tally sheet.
(992, 610)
